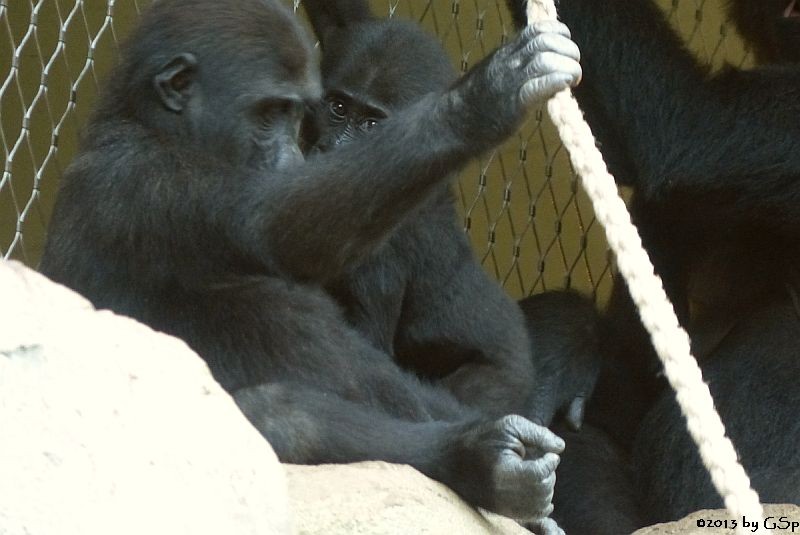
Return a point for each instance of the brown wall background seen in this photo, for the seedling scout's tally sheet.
(531, 225)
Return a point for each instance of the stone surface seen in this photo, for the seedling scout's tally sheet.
(383, 499)
(689, 525)
(108, 427)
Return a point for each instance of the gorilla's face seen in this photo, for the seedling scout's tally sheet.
(366, 81)
(772, 27)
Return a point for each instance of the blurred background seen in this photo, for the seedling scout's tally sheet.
(530, 223)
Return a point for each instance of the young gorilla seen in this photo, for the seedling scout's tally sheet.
(713, 162)
(190, 208)
(564, 327)
(595, 491)
(421, 296)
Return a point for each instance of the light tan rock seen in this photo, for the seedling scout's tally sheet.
(107, 427)
(378, 498)
(774, 514)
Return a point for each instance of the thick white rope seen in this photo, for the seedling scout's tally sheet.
(669, 338)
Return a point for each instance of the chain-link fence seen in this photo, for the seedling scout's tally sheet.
(531, 225)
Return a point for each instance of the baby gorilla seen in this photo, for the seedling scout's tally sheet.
(595, 493)
(421, 297)
(565, 337)
(189, 207)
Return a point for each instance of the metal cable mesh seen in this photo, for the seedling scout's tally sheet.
(530, 223)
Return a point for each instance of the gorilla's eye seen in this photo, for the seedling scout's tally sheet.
(338, 109)
(368, 124)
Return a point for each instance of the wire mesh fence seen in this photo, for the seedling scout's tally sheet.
(530, 223)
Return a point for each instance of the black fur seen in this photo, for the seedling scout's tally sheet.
(421, 296)
(713, 161)
(565, 337)
(595, 491)
(755, 389)
(773, 36)
(190, 208)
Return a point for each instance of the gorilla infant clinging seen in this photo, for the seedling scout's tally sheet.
(191, 208)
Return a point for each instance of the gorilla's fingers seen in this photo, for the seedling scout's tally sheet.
(551, 73)
(553, 63)
(535, 435)
(553, 42)
(550, 26)
(543, 87)
(539, 474)
(542, 468)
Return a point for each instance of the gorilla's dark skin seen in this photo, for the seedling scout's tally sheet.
(190, 208)
(713, 162)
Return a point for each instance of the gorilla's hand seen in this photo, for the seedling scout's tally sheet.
(506, 466)
(494, 95)
(550, 58)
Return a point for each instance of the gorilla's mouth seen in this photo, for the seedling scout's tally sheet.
(791, 10)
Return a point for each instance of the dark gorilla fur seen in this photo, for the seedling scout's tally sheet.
(565, 335)
(191, 208)
(421, 296)
(713, 161)
(595, 492)
(416, 296)
(752, 394)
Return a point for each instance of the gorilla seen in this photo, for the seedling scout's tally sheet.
(422, 297)
(191, 208)
(565, 330)
(712, 161)
(595, 492)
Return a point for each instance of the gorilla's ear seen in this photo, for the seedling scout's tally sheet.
(326, 15)
(174, 81)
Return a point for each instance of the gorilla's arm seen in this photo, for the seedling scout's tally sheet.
(731, 137)
(307, 221)
(486, 463)
(352, 198)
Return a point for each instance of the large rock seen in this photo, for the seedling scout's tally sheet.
(383, 499)
(107, 427)
(704, 522)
